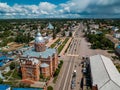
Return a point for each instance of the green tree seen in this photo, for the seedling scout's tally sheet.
(70, 34)
(49, 88)
(63, 33)
(57, 30)
(12, 65)
(41, 76)
(57, 72)
(54, 34)
(1, 81)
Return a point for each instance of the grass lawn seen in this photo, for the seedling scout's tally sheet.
(62, 45)
(54, 44)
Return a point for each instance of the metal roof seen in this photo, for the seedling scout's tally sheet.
(104, 73)
(45, 54)
(43, 65)
(39, 38)
(1, 64)
(50, 26)
(34, 60)
(5, 58)
(27, 89)
(4, 87)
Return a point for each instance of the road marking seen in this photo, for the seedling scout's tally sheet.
(72, 55)
(67, 76)
(61, 77)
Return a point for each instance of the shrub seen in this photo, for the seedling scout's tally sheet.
(49, 88)
(12, 65)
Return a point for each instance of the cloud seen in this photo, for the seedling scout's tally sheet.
(71, 8)
(91, 7)
(25, 11)
(47, 6)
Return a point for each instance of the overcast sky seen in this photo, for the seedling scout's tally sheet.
(59, 8)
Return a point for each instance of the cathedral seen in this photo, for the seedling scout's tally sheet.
(38, 60)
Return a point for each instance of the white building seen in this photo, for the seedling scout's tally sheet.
(94, 26)
(115, 29)
(117, 35)
(67, 33)
(104, 74)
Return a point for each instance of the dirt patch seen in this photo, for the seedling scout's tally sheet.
(12, 46)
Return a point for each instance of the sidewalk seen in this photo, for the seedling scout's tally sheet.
(51, 42)
(65, 47)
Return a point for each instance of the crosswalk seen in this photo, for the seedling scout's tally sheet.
(72, 55)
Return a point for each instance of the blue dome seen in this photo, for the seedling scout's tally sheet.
(39, 38)
(38, 34)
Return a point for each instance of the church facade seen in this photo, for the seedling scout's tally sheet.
(38, 60)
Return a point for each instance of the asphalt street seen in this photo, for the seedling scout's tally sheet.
(71, 63)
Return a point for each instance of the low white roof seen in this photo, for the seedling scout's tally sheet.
(34, 60)
(104, 73)
(44, 65)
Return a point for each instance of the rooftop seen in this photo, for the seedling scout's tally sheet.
(104, 73)
(26, 89)
(39, 38)
(5, 58)
(50, 26)
(4, 87)
(45, 54)
(34, 60)
(44, 65)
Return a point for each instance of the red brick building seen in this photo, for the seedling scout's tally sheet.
(38, 60)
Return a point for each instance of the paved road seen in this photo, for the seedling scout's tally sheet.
(70, 61)
(78, 48)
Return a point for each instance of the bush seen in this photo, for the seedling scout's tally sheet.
(62, 45)
(100, 41)
(111, 51)
(49, 88)
(12, 65)
(1, 81)
(57, 71)
(41, 76)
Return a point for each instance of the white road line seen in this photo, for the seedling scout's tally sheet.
(61, 77)
(66, 76)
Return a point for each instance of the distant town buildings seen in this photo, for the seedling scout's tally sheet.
(38, 60)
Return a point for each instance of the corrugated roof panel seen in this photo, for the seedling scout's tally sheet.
(27, 89)
(4, 87)
(99, 74)
(104, 73)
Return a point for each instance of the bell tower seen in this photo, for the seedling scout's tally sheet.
(39, 42)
